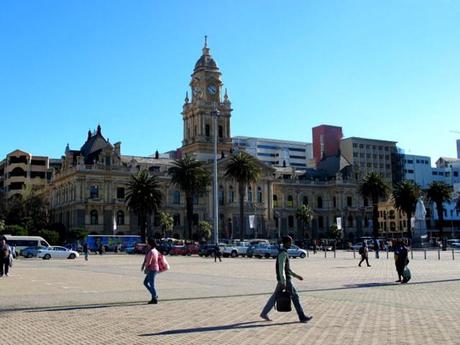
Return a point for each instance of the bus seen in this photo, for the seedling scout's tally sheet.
(21, 242)
(111, 242)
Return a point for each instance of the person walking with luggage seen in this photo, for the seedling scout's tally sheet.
(364, 252)
(401, 261)
(151, 268)
(283, 276)
(5, 253)
(217, 253)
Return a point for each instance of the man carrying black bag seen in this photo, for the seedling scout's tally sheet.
(283, 276)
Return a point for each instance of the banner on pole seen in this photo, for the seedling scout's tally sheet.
(338, 220)
(252, 221)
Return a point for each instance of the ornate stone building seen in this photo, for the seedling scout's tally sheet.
(89, 190)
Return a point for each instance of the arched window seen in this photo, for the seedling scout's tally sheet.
(320, 202)
(275, 200)
(221, 195)
(305, 200)
(350, 221)
(176, 197)
(249, 194)
(231, 195)
(94, 191)
(18, 172)
(120, 218)
(94, 218)
(290, 201)
(259, 195)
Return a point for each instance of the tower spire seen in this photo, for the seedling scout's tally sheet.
(205, 48)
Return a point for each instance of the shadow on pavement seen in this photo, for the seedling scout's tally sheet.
(233, 326)
(136, 303)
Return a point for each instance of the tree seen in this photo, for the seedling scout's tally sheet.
(374, 188)
(50, 235)
(439, 193)
(335, 232)
(205, 229)
(305, 214)
(15, 230)
(143, 197)
(243, 168)
(405, 197)
(166, 222)
(193, 179)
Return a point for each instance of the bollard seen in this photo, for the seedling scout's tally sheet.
(387, 253)
(439, 254)
(308, 253)
(424, 253)
(325, 253)
(453, 255)
(411, 254)
(334, 253)
(354, 254)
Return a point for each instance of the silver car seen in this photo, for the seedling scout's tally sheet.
(57, 252)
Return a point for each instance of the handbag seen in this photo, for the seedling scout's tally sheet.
(283, 301)
(163, 264)
(406, 274)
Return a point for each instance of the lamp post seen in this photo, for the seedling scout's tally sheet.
(215, 115)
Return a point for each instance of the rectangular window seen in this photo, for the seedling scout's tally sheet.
(120, 193)
(349, 201)
(94, 192)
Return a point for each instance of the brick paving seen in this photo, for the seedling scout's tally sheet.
(103, 301)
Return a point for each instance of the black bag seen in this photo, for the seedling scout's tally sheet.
(283, 301)
(361, 251)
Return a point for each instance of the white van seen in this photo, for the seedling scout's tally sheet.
(21, 242)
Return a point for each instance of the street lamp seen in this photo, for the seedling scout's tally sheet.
(215, 115)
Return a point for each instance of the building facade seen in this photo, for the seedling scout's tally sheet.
(276, 153)
(326, 141)
(20, 169)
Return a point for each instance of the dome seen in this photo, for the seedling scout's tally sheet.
(205, 62)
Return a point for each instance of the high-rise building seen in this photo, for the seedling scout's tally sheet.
(458, 148)
(282, 153)
(371, 155)
(21, 169)
(326, 141)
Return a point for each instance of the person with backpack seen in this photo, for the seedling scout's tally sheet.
(5, 260)
(217, 253)
(401, 261)
(151, 268)
(364, 252)
(283, 276)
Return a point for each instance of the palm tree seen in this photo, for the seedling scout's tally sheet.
(374, 188)
(439, 193)
(243, 168)
(304, 214)
(143, 197)
(405, 197)
(193, 179)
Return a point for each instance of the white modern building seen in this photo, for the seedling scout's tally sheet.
(273, 152)
(418, 169)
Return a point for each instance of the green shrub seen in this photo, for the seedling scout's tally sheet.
(51, 236)
(15, 230)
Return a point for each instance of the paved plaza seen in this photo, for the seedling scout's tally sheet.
(103, 301)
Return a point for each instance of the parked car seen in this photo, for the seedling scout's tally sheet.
(238, 248)
(208, 249)
(140, 248)
(192, 248)
(56, 252)
(179, 250)
(30, 252)
(265, 250)
(296, 252)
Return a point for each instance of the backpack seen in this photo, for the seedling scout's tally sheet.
(163, 265)
(361, 250)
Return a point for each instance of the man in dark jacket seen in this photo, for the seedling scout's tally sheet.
(5, 252)
(283, 276)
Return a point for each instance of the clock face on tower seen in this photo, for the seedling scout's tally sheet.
(212, 89)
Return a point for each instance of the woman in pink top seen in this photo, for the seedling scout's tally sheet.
(150, 268)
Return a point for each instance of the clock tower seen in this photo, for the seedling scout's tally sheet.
(206, 100)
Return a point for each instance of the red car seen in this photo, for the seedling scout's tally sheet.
(193, 248)
(179, 250)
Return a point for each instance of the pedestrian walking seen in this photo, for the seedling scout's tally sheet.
(85, 250)
(364, 252)
(401, 260)
(6, 257)
(150, 267)
(283, 277)
(217, 253)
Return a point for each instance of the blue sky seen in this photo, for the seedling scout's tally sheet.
(380, 69)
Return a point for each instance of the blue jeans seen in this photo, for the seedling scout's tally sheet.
(294, 297)
(149, 283)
